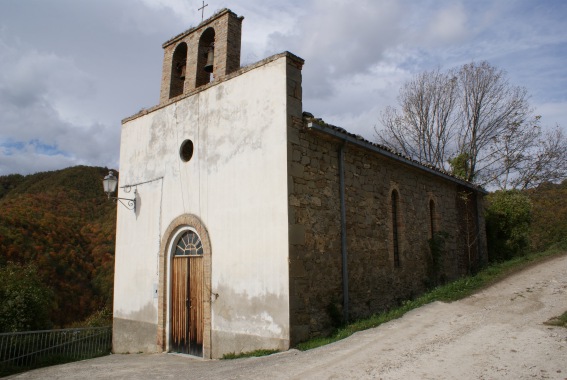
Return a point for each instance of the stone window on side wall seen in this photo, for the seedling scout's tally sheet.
(432, 222)
(395, 201)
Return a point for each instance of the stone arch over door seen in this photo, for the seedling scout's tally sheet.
(174, 231)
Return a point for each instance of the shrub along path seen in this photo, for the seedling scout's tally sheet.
(498, 332)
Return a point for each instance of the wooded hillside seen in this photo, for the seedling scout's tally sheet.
(62, 222)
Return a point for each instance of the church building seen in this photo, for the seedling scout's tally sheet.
(257, 225)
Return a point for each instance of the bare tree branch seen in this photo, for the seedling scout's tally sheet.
(425, 127)
(474, 118)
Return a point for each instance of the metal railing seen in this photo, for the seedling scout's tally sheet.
(21, 351)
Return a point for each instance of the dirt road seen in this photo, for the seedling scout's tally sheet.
(495, 334)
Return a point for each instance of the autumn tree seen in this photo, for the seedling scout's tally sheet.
(62, 222)
(473, 122)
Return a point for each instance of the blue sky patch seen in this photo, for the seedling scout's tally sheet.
(46, 149)
(9, 146)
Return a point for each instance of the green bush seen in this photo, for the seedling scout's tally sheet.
(26, 301)
(508, 218)
(549, 221)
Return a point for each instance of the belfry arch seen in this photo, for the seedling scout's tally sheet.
(178, 70)
(205, 51)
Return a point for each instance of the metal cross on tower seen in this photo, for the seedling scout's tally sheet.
(202, 9)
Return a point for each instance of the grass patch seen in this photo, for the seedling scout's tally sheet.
(250, 354)
(560, 321)
(446, 293)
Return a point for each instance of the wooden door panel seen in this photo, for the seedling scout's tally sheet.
(196, 286)
(196, 297)
(187, 295)
(179, 309)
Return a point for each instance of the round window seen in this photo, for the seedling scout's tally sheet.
(186, 150)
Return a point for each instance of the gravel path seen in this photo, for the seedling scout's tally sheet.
(495, 334)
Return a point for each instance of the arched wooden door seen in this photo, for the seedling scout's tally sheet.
(187, 295)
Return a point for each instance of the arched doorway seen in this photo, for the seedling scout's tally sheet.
(184, 229)
(187, 293)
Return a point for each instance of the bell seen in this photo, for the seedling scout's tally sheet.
(181, 69)
(210, 58)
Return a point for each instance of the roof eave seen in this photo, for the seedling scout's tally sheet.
(347, 138)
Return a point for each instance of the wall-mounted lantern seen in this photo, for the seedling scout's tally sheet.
(109, 183)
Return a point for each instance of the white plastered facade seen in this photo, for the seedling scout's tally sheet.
(235, 184)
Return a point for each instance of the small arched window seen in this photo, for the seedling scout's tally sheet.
(178, 67)
(432, 218)
(395, 201)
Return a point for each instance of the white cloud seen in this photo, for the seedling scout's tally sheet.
(27, 161)
(341, 38)
(449, 25)
(43, 122)
(360, 98)
(69, 70)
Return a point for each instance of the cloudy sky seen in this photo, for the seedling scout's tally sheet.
(71, 70)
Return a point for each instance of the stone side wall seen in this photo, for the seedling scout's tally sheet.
(375, 284)
(315, 242)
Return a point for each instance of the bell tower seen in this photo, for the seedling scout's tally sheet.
(205, 53)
